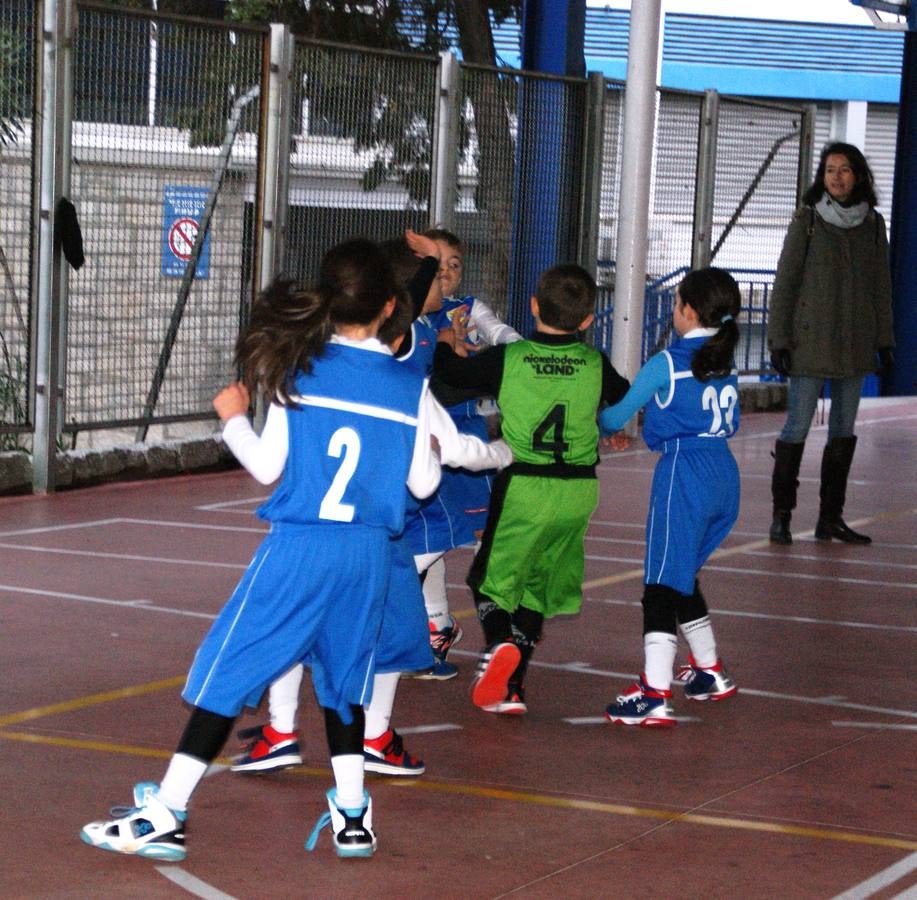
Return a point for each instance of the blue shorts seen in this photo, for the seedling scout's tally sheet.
(312, 594)
(694, 502)
(404, 642)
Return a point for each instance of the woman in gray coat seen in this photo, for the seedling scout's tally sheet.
(830, 318)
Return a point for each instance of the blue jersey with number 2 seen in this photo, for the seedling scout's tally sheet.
(351, 442)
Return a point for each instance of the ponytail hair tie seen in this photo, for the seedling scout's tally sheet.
(725, 319)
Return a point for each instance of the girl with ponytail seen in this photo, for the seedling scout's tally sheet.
(690, 392)
(347, 428)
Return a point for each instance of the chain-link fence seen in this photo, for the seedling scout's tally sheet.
(17, 55)
(747, 165)
(170, 141)
(164, 147)
(361, 157)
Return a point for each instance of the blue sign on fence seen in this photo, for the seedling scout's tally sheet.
(182, 211)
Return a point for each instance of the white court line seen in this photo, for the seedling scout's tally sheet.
(580, 668)
(601, 720)
(210, 507)
(801, 620)
(833, 579)
(192, 884)
(121, 520)
(891, 726)
(146, 605)
(834, 560)
(199, 525)
(782, 555)
(881, 880)
(430, 729)
(638, 542)
(91, 523)
(136, 557)
(806, 576)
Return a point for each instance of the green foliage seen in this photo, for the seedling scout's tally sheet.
(12, 390)
(12, 89)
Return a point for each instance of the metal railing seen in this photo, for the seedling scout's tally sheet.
(751, 354)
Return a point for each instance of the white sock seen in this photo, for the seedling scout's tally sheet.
(699, 635)
(283, 700)
(435, 597)
(181, 778)
(348, 780)
(379, 711)
(659, 648)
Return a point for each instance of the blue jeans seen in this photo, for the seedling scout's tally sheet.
(803, 398)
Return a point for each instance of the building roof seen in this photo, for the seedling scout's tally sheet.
(751, 57)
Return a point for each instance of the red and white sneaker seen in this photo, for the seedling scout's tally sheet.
(511, 705)
(710, 683)
(495, 668)
(386, 756)
(266, 750)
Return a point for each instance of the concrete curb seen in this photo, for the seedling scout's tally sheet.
(131, 462)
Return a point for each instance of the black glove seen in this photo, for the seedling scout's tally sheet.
(780, 361)
(886, 362)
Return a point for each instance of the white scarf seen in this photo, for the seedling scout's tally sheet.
(843, 216)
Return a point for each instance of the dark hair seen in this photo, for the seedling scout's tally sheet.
(864, 187)
(289, 327)
(447, 237)
(714, 295)
(357, 278)
(398, 322)
(286, 329)
(566, 296)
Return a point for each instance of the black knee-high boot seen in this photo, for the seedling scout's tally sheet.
(784, 482)
(835, 467)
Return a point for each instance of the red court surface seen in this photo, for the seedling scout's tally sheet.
(803, 785)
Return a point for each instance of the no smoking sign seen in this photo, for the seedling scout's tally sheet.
(182, 211)
(182, 236)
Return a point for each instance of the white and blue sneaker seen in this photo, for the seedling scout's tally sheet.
(352, 829)
(642, 705)
(441, 642)
(148, 828)
(711, 683)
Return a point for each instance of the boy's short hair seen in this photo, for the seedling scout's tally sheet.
(566, 296)
(447, 237)
(398, 322)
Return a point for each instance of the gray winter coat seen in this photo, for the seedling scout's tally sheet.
(831, 304)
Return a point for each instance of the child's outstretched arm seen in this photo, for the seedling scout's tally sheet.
(653, 378)
(465, 450)
(491, 328)
(425, 471)
(263, 457)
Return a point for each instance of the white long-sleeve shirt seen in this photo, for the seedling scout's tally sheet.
(265, 455)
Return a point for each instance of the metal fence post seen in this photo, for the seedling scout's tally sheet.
(705, 187)
(55, 89)
(806, 151)
(636, 164)
(275, 161)
(588, 249)
(445, 147)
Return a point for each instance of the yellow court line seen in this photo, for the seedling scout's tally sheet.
(468, 790)
(39, 712)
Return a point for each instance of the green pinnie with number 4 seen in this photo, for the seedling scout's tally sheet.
(529, 566)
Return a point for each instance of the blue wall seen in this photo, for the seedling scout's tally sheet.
(750, 57)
